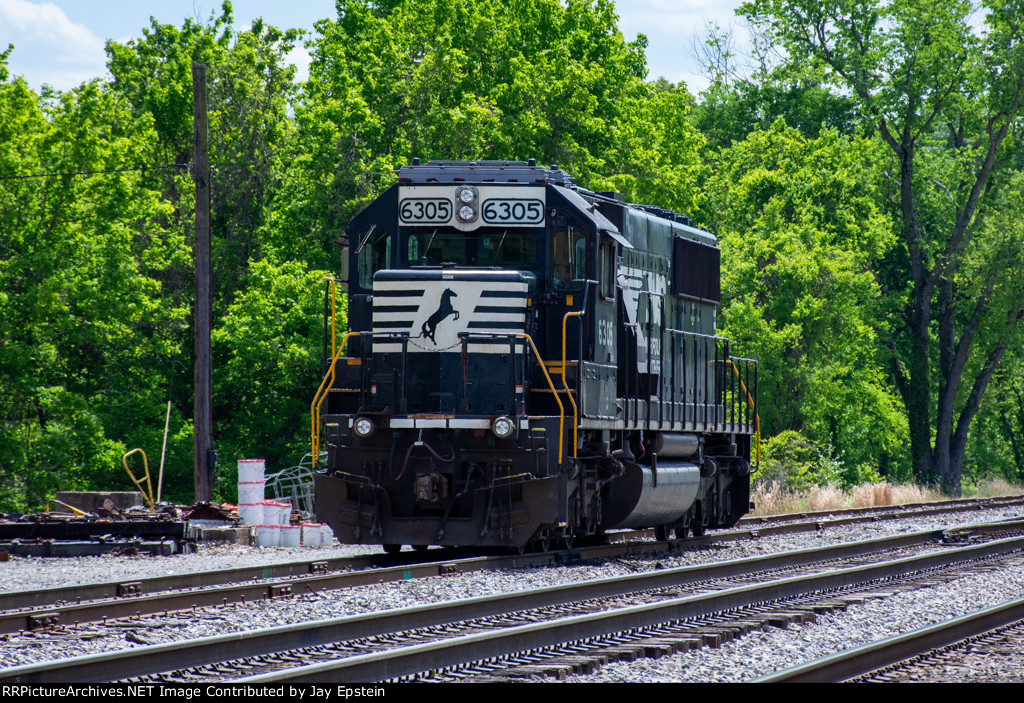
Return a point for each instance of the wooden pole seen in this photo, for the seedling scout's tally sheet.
(203, 316)
(163, 454)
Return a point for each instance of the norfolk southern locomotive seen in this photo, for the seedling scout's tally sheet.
(527, 362)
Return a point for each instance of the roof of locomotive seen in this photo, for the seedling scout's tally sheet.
(529, 172)
(482, 172)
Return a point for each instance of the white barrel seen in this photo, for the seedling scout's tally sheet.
(291, 536)
(274, 513)
(251, 491)
(311, 534)
(326, 535)
(251, 470)
(251, 513)
(268, 536)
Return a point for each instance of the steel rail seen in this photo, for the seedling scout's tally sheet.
(876, 655)
(28, 610)
(926, 509)
(156, 658)
(467, 649)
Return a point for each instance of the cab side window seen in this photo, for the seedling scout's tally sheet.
(374, 256)
(568, 258)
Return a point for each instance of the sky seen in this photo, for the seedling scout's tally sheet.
(61, 42)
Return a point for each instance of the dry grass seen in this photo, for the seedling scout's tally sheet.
(772, 500)
(914, 494)
(996, 487)
(825, 498)
(869, 495)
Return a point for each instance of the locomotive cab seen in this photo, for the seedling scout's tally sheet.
(518, 353)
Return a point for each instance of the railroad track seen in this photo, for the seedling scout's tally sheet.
(948, 652)
(652, 613)
(100, 602)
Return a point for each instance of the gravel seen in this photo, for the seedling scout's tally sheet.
(754, 655)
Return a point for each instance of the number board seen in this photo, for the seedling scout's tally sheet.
(497, 205)
(517, 211)
(425, 210)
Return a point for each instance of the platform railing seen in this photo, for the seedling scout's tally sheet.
(330, 376)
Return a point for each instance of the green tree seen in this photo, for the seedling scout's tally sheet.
(250, 91)
(457, 79)
(268, 355)
(946, 101)
(798, 225)
(740, 100)
(86, 337)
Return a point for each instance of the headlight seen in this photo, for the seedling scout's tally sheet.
(363, 427)
(503, 427)
(466, 213)
(467, 195)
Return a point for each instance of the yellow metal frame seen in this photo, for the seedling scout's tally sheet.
(147, 493)
(321, 394)
(75, 511)
(561, 408)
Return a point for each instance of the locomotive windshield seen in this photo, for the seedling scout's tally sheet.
(502, 248)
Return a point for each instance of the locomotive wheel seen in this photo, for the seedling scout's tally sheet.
(544, 543)
(392, 548)
(567, 540)
(698, 529)
(662, 533)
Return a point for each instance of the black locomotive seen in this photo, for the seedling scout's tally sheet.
(527, 362)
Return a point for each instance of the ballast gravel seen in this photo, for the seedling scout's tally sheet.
(755, 655)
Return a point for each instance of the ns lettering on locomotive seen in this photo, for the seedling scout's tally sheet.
(526, 363)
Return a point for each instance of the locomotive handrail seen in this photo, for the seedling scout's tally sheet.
(329, 377)
(321, 394)
(334, 298)
(750, 402)
(575, 410)
(561, 408)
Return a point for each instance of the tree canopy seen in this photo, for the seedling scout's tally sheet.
(865, 179)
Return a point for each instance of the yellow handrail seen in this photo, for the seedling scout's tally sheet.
(561, 408)
(320, 395)
(148, 492)
(75, 511)
(334, 296)
(575, 410)
(750, 402)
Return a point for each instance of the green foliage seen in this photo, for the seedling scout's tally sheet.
(734, 104)
(85, 328)
(865, 186)
(267, 350)
(463, 79)
(798, 226)
(250, 90)
(946, 101)
(795, 463)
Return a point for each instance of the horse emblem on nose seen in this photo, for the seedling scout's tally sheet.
(444, 310)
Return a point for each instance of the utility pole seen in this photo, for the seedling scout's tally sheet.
(202, 420)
